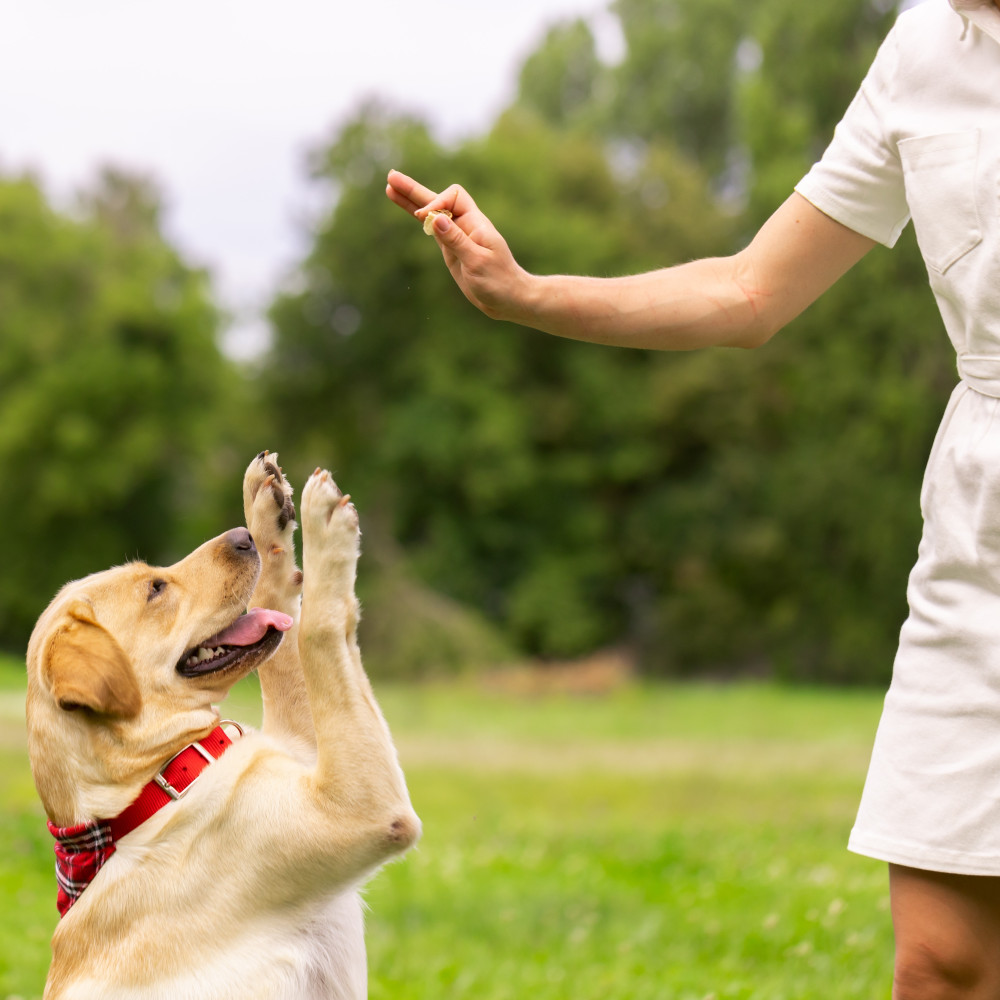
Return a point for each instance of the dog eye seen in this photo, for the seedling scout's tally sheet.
(156, 587)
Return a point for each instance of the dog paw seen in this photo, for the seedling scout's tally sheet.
(267, 497)
(330, 528)
(270, 517)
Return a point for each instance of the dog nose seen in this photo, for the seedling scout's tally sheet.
(241, 540)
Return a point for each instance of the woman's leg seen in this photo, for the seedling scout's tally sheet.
(947, 935)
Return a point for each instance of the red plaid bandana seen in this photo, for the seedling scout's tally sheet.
(81, 851)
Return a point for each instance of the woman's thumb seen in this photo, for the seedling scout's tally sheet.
(441, 223)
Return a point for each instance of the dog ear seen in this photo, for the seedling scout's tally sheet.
(86, 668)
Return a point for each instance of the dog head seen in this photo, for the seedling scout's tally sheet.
(125, 666)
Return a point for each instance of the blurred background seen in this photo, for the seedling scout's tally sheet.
(197, 261)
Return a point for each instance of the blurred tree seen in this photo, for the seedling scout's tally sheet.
(796, 71)
(716, 510)
(113, 394)
(504, 461)
(677, 79)
(564, 82)
(866, 372)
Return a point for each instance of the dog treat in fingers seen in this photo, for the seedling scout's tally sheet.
(431, 216)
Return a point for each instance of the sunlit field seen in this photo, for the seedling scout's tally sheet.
(659, 842)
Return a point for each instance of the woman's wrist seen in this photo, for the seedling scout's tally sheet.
(524, 301)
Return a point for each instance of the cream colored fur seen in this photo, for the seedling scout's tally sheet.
(248, 886)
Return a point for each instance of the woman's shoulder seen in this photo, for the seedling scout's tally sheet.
(935, 21)
(931, 42)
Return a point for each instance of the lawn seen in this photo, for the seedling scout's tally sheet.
(668, 842)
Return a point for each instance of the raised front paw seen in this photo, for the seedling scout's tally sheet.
(330, 530)
(270, 516)
(267, 498)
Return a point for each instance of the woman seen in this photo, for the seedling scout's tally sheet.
(921, 139)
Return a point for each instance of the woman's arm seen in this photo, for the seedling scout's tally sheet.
(737, 301)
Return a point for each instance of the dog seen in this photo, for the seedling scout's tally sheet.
(194, 862)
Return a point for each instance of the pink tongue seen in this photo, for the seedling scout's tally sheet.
(250, 628)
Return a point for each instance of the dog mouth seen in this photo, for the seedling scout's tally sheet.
(252, 637)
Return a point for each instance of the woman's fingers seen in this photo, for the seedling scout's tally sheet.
(407, 193)
(418, 200)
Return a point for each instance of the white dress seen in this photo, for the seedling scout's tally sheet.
(922, 140)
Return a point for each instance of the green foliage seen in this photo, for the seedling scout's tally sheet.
(676, 82)
(410, 631)
(563, 80)
(504, 462)
(740, 86)
(725, 511)
(112, 391)
(807, 63)
(716, 512)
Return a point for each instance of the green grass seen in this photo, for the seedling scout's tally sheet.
(664, 842)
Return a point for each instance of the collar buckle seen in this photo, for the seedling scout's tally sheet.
(160, 777)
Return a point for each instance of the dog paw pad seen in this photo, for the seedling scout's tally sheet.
(267, 498)
(328, 507)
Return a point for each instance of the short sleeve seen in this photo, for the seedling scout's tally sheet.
(859, 180)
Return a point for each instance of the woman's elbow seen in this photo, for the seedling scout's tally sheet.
(756, 314)
(754, 333)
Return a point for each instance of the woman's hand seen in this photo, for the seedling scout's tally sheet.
(475, 253)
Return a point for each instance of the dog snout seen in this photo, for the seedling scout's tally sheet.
(240, 541)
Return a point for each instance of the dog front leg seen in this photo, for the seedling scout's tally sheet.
(358, 774)
(270, 517)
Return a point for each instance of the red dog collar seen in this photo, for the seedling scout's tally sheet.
(171, 782)
(82, 850)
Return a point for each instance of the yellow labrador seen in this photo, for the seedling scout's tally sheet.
(195, 862)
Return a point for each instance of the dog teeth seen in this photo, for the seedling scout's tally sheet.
(206, 653)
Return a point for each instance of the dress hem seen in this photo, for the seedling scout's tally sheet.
(925, 859)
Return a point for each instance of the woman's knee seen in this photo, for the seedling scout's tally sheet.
(936, 970)
(947, 932)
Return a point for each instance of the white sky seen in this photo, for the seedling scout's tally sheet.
(220, 99)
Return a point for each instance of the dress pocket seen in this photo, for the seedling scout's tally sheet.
(939, 172)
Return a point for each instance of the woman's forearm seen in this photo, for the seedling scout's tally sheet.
(704, 303)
